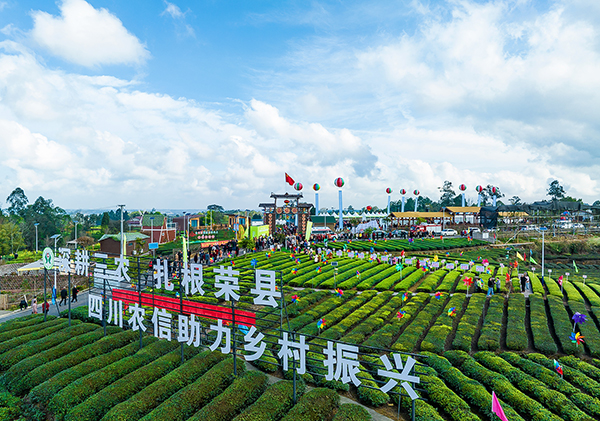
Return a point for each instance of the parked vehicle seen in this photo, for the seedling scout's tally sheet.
(448, 232)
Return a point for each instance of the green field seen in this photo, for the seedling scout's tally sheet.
(506, 343)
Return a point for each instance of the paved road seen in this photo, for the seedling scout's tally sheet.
(82, 299)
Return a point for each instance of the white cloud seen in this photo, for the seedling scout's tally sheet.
(175, 12)
(474, 95)
(87, 36)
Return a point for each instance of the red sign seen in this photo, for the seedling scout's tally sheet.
(209, 311)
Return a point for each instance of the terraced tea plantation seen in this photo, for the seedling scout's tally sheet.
(76, 373)
(418, 244)
(472, 344)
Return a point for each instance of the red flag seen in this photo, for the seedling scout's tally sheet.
(497, 409)
(289, 179)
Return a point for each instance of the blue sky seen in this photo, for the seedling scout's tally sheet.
(182, 104)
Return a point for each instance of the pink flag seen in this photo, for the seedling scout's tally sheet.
(496, 408)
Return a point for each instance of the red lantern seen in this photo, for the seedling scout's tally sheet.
(402, 192)
(338, 182)
(388, 190)
(298, 186)
(416, 192)
(462, 187)
(369, 208)
(479, 189)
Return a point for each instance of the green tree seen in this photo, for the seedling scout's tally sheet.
(448, 194)
(105, 222)
(515, 200)
(555, 190)
(17, 202)
(11, 240)
(51, 219)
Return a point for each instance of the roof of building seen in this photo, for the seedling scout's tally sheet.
(412, 215)
(463, 209)
(158, 220)
(129, 236)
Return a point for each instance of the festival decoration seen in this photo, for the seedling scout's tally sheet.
(339, 182)
(438, 295)
(295, 299)
(479, 189)
(402, 192)
(404, 296)
(558, 367)
(416, 193)
(321, 324)
(398, 267)
(316, 187)
(578, 318)
(452, 311)
(339, 292)
(358, 274)
(401, 313)
(298, 186)
(468, 281)
(294, 271)
(369, 208)
(244, 329)
(318, 269)
(388, 190)
(462, 188)
(577, 338)
(494, 192)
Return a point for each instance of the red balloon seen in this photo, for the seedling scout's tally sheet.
(388, 190)
(416, 192)
(369, 208)
(462, 187)
(403, 192)
(494, 190)
(479, 189)
(338, 182)
(298, 186)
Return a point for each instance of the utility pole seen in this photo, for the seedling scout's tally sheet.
(122, 239)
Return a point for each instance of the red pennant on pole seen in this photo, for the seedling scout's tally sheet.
(289, 179)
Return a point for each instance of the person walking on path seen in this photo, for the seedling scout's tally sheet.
(63, 297)
(34, 306)
(74, 292)
(490, 287)
(45, 307)
(23, 304)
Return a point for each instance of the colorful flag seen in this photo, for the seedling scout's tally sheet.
(496, 408)
(575, 267)
(558, 368)
(520, 257)
(289, 179)
(560, 280)
(532, 260)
